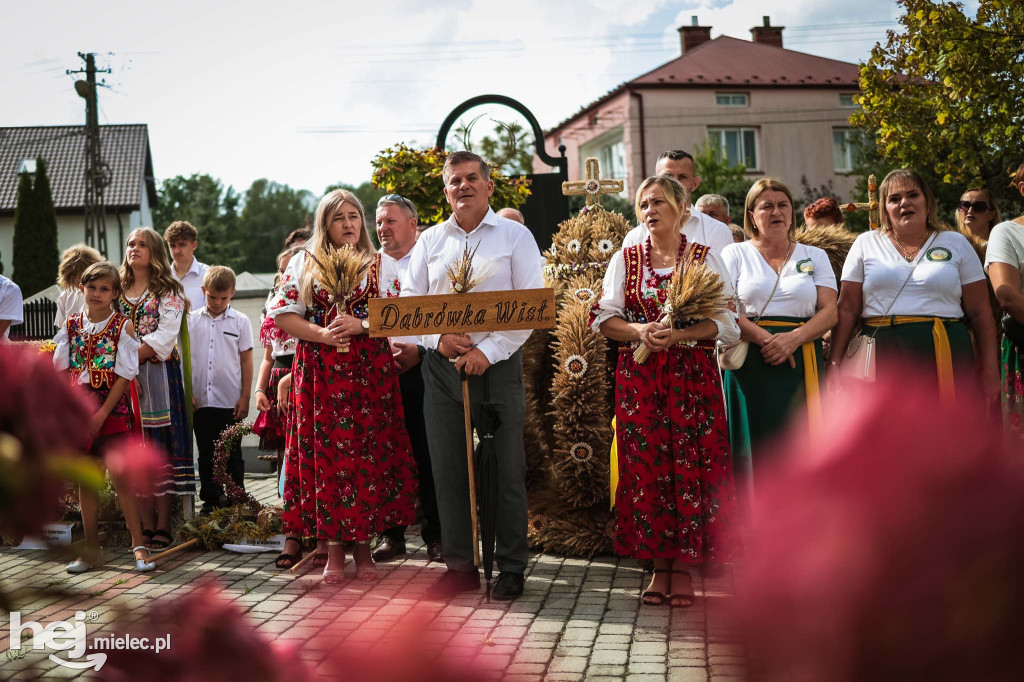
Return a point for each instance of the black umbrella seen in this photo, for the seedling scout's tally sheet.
(487, 478)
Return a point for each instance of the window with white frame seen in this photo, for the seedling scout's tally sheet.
(731, 99)
(843, 147)
(738, 146)
(847, 102)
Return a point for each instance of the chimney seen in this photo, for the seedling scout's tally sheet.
(768, 34)
(693, 35)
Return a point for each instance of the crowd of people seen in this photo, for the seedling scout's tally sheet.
(368, 429)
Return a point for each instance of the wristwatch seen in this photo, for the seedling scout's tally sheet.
(366, 325)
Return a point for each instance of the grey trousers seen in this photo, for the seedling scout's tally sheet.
(446, 435)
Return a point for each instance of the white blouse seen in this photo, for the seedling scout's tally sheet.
(944, 265)
(69, 302)
(125, 365)
(797, 293)
(613, 296)
(163, 338)
(288, 299)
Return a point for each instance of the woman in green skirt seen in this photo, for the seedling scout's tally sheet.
(918, 288)
(1004, 260)
(786, 294)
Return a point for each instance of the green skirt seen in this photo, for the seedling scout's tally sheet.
(1012, 363)
(912, 342)
(762, 398)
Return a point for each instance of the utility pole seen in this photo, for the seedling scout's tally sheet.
(97, 173)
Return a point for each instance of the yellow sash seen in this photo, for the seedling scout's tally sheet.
(811, 386)
(613, 465)
(943, 356)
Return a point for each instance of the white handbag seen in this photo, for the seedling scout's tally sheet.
(732, 357)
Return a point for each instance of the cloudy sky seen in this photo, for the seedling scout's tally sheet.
(306, 93)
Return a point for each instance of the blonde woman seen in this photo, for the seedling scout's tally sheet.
(918, 287)
(977, 213)
(786, 295)
(73, 264)
(675, 501)
(156, 305)
(349, 472)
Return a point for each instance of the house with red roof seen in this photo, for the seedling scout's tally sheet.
(778, 112)
(127, 199)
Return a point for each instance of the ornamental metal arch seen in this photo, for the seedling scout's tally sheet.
(546, 206)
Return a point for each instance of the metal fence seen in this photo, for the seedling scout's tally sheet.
(38, 322)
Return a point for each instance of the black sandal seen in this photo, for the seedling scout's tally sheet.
(688, 599)
(319, 558)
(659, 597)
(291, 558)
(155, 543)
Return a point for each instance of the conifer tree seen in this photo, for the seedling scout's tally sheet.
(35, 258)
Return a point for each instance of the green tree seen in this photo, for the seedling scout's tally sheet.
(35, 256)
(203, 201)
(943, 94)
(269, 212)
(717, 176)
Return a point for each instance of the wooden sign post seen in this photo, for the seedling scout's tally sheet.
(482, 311)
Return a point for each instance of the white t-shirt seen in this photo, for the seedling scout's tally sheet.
(944, 265)
(797, 294)
(699, 228)
(11, 304)
(1006, 245)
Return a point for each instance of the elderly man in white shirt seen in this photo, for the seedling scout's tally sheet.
(699, 227)
(508, 252)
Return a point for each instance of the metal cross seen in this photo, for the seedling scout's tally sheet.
(593, 186)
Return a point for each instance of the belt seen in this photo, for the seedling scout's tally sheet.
(811, 385)
(943, 355)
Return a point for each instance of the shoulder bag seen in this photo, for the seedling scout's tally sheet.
(732, 357)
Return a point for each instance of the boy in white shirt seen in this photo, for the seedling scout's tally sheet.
(221, 344)
(183, 239)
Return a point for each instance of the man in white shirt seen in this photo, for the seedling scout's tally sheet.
(12, 307)
(221, 345)
(396, 229)
(493, 361)
(699, 228)
(183, 240)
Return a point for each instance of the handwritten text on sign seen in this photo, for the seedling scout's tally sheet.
(485, 311)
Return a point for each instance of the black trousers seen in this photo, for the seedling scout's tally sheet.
(411, 383)
(208, 423)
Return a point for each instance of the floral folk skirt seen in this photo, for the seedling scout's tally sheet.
(270, 425)
(675, 498)
(178, 476)
(1012, 357)
(349, 471)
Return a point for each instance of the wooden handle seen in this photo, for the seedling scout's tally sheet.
(472, 473)
(301, 561)
(173, 550)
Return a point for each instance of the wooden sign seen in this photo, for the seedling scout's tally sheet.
(484, 311)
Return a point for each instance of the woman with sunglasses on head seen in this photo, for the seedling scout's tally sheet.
(349, 472)
(1004, 261)
(977, 214)
(918, 289)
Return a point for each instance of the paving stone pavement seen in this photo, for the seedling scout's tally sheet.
(579, 619)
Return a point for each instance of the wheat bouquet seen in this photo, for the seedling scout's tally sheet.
(463, 276)
(695, 293)
(339, 272)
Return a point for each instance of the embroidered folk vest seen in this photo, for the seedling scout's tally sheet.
(358, 306)
(145, 315)
(97, 355)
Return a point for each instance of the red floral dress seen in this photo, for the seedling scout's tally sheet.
(675, 498)
(349, 471)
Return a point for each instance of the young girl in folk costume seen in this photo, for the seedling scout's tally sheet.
(675, 500)
(100, 351)
(278, 353)
(73, 262)
(155, 303)
(349, 472)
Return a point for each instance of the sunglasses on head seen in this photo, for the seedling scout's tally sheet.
(978, 206)
(394, 199)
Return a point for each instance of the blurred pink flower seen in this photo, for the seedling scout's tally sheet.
(41, 416)
(891, 548)
(135, 465)
(211, 641)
